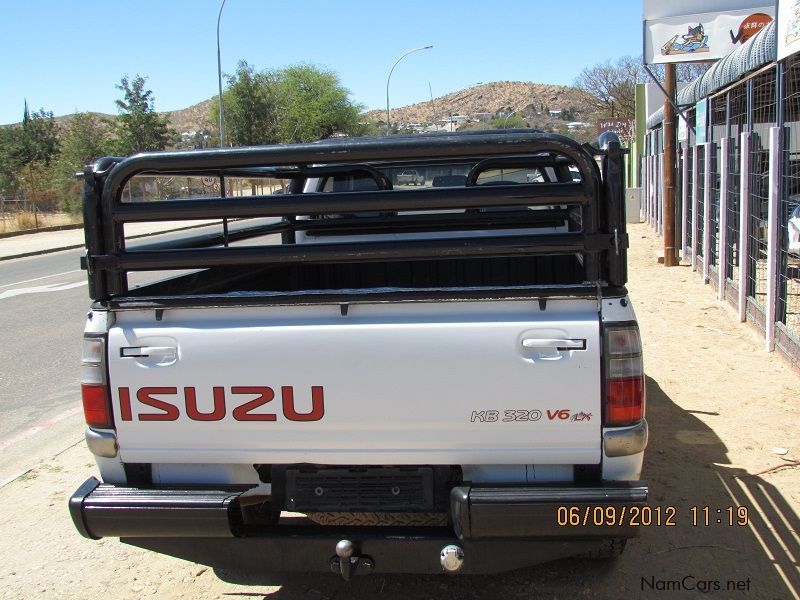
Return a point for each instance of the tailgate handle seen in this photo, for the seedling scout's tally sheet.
(149, 351)
(558, 344)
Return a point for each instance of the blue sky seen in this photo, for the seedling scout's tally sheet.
(68, 56)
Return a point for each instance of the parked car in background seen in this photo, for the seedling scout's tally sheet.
(410, 177)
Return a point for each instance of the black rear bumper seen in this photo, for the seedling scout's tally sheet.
(498, 528)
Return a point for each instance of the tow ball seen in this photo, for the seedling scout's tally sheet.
(346, 563)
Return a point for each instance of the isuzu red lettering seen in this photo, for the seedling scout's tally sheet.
(353, 376)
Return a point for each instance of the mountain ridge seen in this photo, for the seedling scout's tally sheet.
(499, 97)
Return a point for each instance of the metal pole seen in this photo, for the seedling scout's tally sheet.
(685, 202)
(708, 154)
(744, 222)
(219, 77)
(722, 251)
(221, 122)
(430, 90)
(773, 214)
(670, 250)
(390, 77)
(466, 87)
(695, 202)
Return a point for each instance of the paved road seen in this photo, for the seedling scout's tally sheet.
(43, 302)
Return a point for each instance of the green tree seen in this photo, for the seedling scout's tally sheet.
(314, 105)
(35, 180)
(250, 107)
(511, 121)
(10, 153)
(40, 137)
(86, 138)
(139, 127)
(35, 140)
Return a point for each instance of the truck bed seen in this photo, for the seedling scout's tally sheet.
(365, 278)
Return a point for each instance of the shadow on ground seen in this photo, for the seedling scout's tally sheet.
(706, 553)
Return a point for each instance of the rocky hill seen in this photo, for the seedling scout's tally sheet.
(194, 118)
(521, 97)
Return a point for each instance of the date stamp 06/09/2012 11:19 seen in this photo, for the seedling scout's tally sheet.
(650, 516)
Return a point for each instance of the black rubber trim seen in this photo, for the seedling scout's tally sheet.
(76, 507)
(533, 512)
(102, 510)
(348, 297)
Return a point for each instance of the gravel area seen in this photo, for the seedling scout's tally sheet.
(718, 408)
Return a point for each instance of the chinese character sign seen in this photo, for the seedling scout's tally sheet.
(706, 36)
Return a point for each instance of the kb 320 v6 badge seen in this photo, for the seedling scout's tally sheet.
(507, 416)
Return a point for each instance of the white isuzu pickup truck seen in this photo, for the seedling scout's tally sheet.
(355, 378)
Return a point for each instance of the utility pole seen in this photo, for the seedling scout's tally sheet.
(430, 89)
(670, 251)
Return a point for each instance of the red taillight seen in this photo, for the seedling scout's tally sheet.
(94, 388)
(624, 401)
(96, 407)
(624, 385)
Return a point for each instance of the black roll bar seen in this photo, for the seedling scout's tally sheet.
(108, 260)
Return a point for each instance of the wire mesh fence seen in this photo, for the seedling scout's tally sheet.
(768, 110)
(701, 195)
(737, 124)
(690, 181)
(719, 114)
(763, 107)
(788, 309)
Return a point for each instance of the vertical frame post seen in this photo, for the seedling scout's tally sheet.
(644, 183)
(649, 183)
(695, 198)
(653, 189)
(772, 234)
(744, 222)
(685, 203)
(663, 187)
(722, 253)
(707, 191)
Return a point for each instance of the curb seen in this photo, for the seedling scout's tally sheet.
(9, 234)
(76, 246)
(40, 252)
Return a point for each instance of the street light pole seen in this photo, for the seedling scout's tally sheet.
(219, 76)
(430, 89)
(456, 93)
(390, 77)
(221, 125)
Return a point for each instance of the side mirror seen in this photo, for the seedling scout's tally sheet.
(606, 138)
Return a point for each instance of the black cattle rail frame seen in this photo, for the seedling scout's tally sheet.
(601, 242)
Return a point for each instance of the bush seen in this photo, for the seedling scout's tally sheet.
(26, 220)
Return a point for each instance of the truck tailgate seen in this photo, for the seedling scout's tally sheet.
(497, 382)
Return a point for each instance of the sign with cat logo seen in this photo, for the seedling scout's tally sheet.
(788, 34)
(671, 36)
